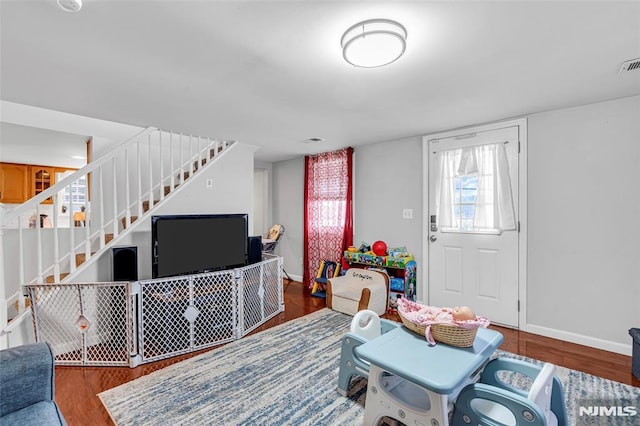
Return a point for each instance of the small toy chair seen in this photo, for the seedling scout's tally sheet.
(359, 289)
(492, 401)
(328, 269)
(365, 325)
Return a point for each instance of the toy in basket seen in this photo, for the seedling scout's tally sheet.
(455, 327)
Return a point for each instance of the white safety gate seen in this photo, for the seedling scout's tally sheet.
(129, 323)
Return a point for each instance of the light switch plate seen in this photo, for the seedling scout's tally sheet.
(407, 214)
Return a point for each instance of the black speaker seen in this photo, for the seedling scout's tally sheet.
(125, 263)
(255, 249)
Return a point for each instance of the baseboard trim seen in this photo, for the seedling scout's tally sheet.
(294, 277)
(580, 339)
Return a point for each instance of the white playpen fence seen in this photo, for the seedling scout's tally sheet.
(130, 323)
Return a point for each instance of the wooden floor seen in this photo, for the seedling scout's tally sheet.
(77, 387)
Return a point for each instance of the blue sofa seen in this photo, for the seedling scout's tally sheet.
(26, 386)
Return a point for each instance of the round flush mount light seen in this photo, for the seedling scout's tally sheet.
(70, 5)
(313, 140)
(374, 43)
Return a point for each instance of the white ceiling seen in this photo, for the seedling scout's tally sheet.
(30, 145)
(270, 73)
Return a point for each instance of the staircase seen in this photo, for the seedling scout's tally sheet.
(125, 186)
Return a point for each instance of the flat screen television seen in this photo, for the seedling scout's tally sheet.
(190, 244)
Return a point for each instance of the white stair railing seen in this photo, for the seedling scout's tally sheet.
(120, 188)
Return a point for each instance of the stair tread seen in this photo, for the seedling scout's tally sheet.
(145, 205)
(27, 303)
(167, 188)
(82, 257)
(51, 279)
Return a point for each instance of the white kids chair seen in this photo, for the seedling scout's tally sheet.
(365, 325)
(357, 290)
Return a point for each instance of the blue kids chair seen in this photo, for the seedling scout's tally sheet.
(492, 401)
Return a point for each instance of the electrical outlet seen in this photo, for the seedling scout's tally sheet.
(209, 183)
(407, 214)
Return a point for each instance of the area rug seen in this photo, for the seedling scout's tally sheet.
(286, 375)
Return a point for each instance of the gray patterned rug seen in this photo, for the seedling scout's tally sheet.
(287, 375)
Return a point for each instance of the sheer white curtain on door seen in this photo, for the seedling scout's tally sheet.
(494, 209)
(445, 187)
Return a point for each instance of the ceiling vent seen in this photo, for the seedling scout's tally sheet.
(633, 64)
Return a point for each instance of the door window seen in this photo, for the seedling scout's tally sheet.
(473, 190)
(464, 204)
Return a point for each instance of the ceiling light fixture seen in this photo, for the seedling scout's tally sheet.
(374, 43)
(70, 5)
(312, 140)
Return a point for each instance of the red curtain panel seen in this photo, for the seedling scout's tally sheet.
(328, 209)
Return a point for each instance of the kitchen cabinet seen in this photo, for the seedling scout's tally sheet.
(14, 183)
(42, 178)
(20, 182)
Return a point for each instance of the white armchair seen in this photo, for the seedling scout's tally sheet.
(359, 289)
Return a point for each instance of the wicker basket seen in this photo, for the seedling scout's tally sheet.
(449, 334)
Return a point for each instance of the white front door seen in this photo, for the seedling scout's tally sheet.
(470, 265)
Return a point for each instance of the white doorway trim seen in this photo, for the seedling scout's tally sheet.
(522, 205)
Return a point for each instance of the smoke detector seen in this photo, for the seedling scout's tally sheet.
(70, 5)
(631, 65)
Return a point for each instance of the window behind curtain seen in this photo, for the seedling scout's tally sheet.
(328, 216)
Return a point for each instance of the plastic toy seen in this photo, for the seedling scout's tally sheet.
(379, 248)
(364, 247)
(327, 270)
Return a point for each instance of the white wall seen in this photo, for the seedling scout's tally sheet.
(387, 180)
(584, 223)
(259, 200)
(583, 217)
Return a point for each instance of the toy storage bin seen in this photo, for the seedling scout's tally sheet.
(635, 359)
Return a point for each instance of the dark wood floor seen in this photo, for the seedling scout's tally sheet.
(77, 387)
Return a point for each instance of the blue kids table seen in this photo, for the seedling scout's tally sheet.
(413, 382)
